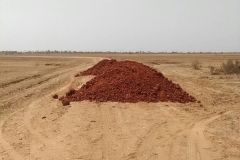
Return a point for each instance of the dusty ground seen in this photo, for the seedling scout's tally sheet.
(34, 126)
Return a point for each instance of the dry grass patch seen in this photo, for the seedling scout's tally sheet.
(230, 67)
(196, 65)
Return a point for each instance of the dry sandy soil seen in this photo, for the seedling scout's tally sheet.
(35, 126)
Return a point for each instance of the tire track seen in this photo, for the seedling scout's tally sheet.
(27, 113)
(28, 89)
(105, 123)
(6, 146)
(149, 140)
(150, 137)
(196, 148)
(48, 74)
(197, 142)
(106, 117)
(120, 120)
(146, 141)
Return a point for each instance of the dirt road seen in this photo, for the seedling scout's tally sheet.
(35, 126)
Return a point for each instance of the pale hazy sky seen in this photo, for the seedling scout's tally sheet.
(120, 25)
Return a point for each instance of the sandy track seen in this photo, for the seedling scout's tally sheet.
(43, 129)
(27, 110)
(198, 145)
(107, 136)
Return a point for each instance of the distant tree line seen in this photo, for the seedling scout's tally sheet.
(112, 52)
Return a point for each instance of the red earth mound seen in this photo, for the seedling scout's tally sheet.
(128, 81)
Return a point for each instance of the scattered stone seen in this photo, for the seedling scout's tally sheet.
(65, 102)
(77, 75)
(55, 96)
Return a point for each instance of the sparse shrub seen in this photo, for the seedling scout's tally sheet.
(237, 67)
(215, 70)
(196, 64)
(228, 67)
(231, 67)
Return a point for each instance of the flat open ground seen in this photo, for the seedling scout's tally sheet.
(35, 126)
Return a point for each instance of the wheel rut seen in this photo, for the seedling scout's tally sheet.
(107, 135)
(26, 122)
(197, 143)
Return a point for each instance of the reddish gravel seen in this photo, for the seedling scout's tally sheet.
(127, 81)
(55, 96)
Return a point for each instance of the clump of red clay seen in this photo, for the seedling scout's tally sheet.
(55, 96)
(127, 81)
